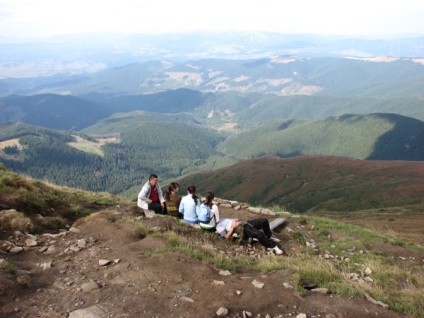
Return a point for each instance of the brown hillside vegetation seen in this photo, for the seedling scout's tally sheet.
(383, 195)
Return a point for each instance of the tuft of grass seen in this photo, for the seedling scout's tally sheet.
(297, 236)
(11, 220)
(8, 266)
(140, 232)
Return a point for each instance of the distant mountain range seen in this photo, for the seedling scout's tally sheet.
(78, 54)
(281, 76)
(106, 131)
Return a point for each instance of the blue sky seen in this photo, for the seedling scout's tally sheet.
(28, 18)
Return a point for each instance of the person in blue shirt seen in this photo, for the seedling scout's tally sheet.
(190, 205)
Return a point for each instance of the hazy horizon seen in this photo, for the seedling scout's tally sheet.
(24, 19)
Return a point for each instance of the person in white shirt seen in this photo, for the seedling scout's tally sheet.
(214, 215)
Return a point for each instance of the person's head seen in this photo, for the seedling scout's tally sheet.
(173, 187)
(153, 179)
(209, 196)
(192, 190)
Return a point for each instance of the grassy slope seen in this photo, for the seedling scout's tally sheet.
(316, 183)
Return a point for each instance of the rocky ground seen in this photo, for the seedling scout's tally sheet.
(98, 268)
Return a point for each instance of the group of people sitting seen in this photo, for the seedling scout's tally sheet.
(189, 206)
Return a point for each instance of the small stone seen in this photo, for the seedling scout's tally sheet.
(16, 250)
(91, 285)
(31, 242)
(324, 291)
(225, 273)
(46, 265)
(117, 261)
(218, 283)
(368, 271)
(347, 260)
(238, 292)
(221, 312)
(301, 316)
(287, 285)
(50, 250)
(257, 284)
(186, 299)
(74, 230)
(104, 262)
(82, 243)
(368, 279)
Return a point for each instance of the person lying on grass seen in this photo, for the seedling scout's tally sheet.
(247, 231)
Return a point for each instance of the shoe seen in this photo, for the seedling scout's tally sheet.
(277, 251)
(276, 240)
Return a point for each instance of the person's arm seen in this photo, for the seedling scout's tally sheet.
(160, 193)
(181, 207)
(231, 231)
(143, 194)
(215, 212)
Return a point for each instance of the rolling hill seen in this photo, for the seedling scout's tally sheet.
(373, 136)
(317, 184)
(51, 111)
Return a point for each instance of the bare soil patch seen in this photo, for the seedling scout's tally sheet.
(166, 284)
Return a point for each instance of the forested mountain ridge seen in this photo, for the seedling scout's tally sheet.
(174, 145)
(280, 75)
(373, 136)
(51, 111)
(213, 109)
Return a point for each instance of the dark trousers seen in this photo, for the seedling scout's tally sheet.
(155, 206)
(260, 230)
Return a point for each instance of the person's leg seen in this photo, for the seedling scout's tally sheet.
(251, 231)
(262, 224)
(155, 206)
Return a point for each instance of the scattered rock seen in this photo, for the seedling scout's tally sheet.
(31, 242)
(186, 299)
(104, 262)
(16, 250)
(46, 265)
(221, 312)
(90, 312)
(257, 284)
(218, 283)
(74, 230)
(324, 291)
(91, 285)
(225, 273)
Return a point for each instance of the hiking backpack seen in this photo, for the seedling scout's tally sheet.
(204, 214)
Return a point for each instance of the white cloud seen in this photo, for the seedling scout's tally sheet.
(49, 17)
